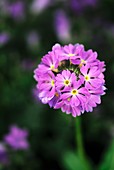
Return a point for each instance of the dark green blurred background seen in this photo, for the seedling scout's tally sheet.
(27, 32)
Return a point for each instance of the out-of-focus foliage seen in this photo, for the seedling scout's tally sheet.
(72, 162)
(108, 160)
(28, 29)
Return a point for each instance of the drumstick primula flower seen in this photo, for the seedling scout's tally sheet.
(70, 78)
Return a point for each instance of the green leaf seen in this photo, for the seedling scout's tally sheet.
(73, 162)
(108, 159)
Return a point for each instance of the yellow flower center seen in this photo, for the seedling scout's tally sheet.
(87, 78)
(52, 67)
(74, 92)
(71, 55)
(68, 99)
(52, 82)
(82, 62)
(66, 82)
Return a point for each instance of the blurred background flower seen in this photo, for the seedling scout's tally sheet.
(4, 160)
(79, 5)
(62, 26)
(17, 138)
(4, 38)
(16, 10)
(27, 65)
(38, 6)
(33, 39)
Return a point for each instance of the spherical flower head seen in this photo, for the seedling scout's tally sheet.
(17, 138)
(71, 79)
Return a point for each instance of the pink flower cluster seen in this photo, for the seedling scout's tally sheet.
(70, 78)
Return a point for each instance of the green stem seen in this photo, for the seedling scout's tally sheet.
(79, 141)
